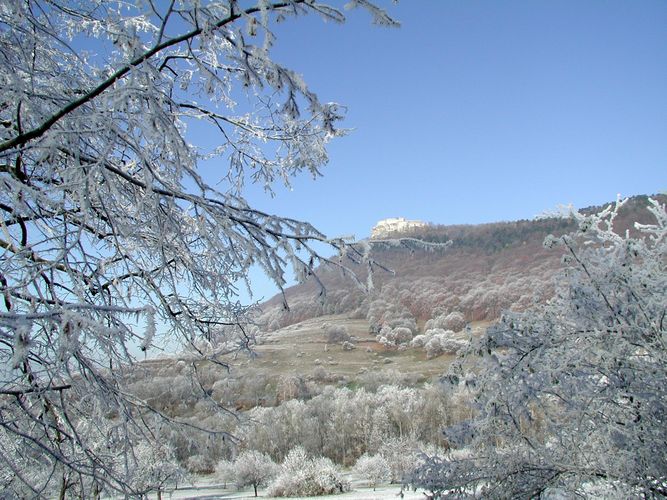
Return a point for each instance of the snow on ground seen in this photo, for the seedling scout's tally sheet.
(216, 492)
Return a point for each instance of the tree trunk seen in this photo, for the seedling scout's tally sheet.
(255, 486)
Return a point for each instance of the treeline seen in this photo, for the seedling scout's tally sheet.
(343, 424)
(328, 416)
(490, 237)
(497, 236)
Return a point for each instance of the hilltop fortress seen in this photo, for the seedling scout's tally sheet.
(385, 227)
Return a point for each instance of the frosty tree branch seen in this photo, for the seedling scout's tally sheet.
(112, 239)
(37, 132)
(569, 398)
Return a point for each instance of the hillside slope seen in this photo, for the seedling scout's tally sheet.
(486, 269)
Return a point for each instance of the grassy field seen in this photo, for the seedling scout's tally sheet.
(303, 349)
(300, 352)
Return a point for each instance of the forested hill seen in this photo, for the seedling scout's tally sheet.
(487, 268)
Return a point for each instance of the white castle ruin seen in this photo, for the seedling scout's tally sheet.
(385, 227)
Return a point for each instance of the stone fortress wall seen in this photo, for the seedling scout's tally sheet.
(385, 227)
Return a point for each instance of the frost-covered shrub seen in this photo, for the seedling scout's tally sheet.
(320, 374)
(336, 334)
(301, 475)
(454, 321)
(443, 343)
(393, 337)
(401, 335)
(384, 337)
(373, 468)
(419, 341)
(348, 346)
(402, 322)
(382, 313)
(437, 341)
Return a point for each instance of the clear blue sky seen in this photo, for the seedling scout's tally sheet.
(477, 111)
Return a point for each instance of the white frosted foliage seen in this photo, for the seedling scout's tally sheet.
(112, 240)
(568, 398)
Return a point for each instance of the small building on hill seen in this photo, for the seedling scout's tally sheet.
(386, 227)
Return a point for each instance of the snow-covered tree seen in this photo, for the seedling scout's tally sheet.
(400, 453)
(373, 468)
(302, 475)
(571, 397)
(252, 468)
(385, 313)
(154, 467)
(110, 231)
(224, 471)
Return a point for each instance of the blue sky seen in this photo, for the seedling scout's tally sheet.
(477, 111)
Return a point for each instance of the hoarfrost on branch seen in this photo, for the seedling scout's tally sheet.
(569, 398)
(108, 227)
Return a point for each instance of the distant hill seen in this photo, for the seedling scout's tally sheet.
(487, 268)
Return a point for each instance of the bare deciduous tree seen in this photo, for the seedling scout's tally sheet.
(252, 468)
